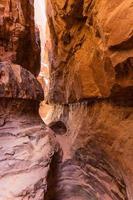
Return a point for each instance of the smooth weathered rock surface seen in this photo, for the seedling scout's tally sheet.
(95, 161)
(26, 144)
(19, 40)
(92, 51)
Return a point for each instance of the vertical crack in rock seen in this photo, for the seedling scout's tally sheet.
(88, 175)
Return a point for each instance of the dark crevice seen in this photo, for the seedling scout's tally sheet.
(125, 45)
(116, 100)
(125, 69)
(75, 15)
(52, 178)
(78, 177)
(58, 127)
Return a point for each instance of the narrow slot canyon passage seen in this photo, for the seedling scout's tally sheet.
(41, 23)
(42, 26)
(66, 100)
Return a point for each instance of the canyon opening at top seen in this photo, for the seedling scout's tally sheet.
(41, 25)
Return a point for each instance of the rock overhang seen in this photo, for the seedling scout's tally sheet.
(17, 82)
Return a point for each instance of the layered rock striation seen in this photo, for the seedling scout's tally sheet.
(95, 160)
(26, 144)
(91, 71)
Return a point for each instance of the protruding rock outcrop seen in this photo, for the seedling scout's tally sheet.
(26, 144)
(92, 51)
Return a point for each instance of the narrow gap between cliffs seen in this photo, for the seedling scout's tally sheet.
(41, 25)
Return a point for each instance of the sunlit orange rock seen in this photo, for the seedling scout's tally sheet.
(91, 93)
(91, 54)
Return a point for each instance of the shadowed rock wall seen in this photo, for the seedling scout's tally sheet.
(27, 145)
(19, 41)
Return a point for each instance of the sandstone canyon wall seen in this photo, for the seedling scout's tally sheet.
(19, 41)
(91, 90)
(91, 55)
(91, 69)
(26, 144)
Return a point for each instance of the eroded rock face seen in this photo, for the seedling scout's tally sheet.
(19, 40)
(26, 144)
(92, 51)
(91, 72)
(95, 158)
(16, 82)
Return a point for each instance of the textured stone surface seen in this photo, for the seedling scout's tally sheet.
(26, 144)
(91, 73)
(95, 161)
(16, 82)
(19, 40)
(26, 149)
(92, 51)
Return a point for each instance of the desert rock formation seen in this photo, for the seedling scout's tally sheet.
(19, 40)
(91, 89)
(88, 154)
(26, 144)
(92, 51)
(95, 161)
